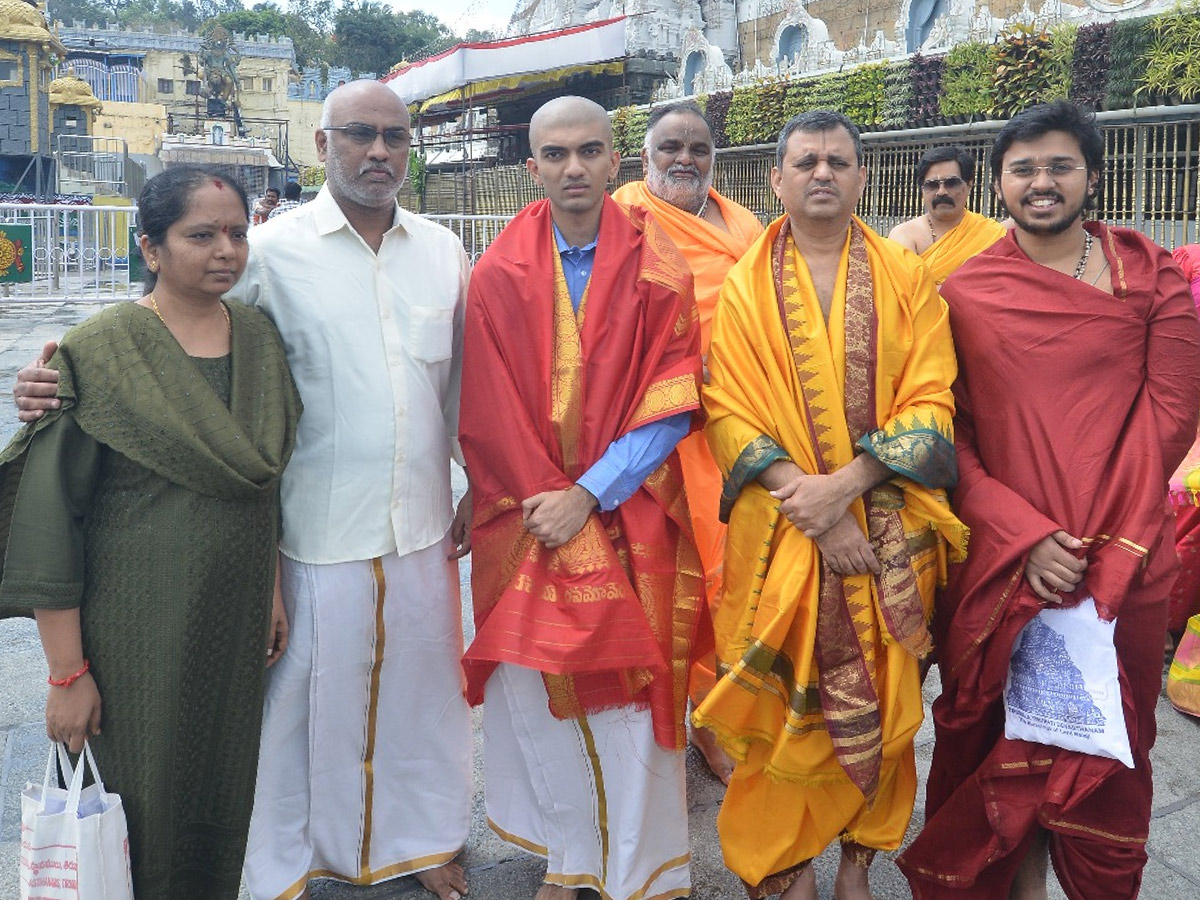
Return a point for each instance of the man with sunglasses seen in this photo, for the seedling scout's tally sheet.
(365, 763)
(947, 234)
(1079, 371)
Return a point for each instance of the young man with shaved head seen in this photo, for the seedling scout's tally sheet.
(829, 411)
(364, 773)
(712, 232)
(582, 372)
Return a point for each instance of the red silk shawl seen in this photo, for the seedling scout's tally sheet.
(611, 616)
(1073, 407)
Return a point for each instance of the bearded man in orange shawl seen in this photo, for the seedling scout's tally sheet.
(1079, 373)
(581, 373)
(948, 234)
(830, 412)
(712, 232)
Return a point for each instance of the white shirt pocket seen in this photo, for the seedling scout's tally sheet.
(431, 333)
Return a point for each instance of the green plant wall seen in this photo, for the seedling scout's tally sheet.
(1090, 65)
(1128, 49)
(1173, 59)
(967, 80)
(1132, 62)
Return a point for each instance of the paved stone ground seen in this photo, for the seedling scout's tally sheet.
(496, 870)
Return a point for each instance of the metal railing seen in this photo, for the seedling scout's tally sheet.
(88, 253)
(70, 252)
(91, 164)
(476, 232)
(1150, 183)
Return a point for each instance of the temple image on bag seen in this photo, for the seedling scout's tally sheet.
(1045, 684)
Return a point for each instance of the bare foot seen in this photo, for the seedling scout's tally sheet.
(1030, 881)
(555, 892)
(851, 881)
(804, 887)
(718, 760)
(448, 881)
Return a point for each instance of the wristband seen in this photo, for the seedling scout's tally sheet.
(70, 679)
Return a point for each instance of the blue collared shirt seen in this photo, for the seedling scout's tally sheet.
(577, 263)
(630, 459)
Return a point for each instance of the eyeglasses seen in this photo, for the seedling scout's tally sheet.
(1054, 170)
(366, 134)
(953, 183)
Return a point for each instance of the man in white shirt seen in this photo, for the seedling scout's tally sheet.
(365, 770)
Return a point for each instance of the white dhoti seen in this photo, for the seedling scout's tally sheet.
(596, 796)
(365, 771)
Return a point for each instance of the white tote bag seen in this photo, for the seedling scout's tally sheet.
(1062, 687)
(74, 841)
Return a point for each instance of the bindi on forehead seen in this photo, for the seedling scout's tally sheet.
(218, 184)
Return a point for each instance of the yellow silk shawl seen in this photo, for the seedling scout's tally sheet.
(778, 392)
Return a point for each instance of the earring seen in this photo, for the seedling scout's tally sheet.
(152, 265)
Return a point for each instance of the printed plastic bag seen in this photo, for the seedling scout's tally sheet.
(1062, 687)
(74, 841)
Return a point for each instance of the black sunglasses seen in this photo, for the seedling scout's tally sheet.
(936, 184)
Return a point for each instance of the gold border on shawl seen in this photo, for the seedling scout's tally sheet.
(670, 395)
(1096, 832)
(373, 717)
(1119, 268)
(1037, 763)
(849, 702)
(566, 370)
(589, 742)
(420, 864)
(1001, 605)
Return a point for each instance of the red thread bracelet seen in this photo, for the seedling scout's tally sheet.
(70, 679)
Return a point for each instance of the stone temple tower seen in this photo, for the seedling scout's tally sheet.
(655, 27)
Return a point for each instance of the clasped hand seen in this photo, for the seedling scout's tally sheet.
(820, 509)
(1052, 567)
(554, 517)
(813, 503)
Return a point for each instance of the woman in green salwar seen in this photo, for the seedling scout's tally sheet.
(140, 523)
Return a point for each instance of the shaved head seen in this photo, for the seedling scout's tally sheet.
(569, 112)
(344, 100)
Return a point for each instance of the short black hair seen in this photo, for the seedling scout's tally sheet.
(691, 107)
(947, 153)
(291, 190)
(166, 197)
(1061, 115)
(817, 120)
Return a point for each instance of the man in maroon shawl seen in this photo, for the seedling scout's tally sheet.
(1079, 373)
(581, 373)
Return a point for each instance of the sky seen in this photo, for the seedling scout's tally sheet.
(459, 15)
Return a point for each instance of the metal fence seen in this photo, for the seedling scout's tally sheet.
(73, 252)
(1151, 183)
(476, 232)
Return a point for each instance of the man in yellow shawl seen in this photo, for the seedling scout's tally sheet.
(947, 234)
(712, 232)
(830, 413)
